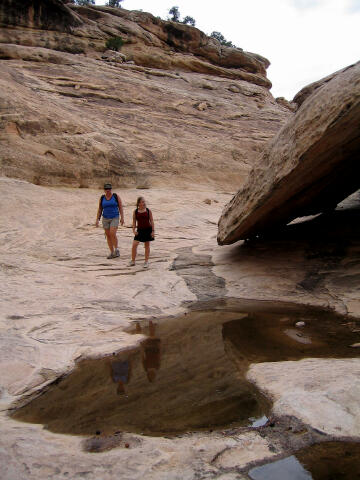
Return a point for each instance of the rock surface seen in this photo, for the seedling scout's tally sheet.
(309, 167)
(151, 41)
(334, 410)
(62, 300)
(172, 106)
(305, 92)
(178, 110)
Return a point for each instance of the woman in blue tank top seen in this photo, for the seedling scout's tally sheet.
(110, 206)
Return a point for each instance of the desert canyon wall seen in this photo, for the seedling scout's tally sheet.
(270, 324)
(174, 106)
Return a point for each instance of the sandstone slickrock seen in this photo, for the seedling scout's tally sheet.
(61, 300)
(180, 109)
(175, 113)
(293, 393)
(292, 106)
(305, 92)
(112, 56)
(309, 167)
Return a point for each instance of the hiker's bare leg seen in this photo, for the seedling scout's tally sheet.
(114, 240)
(120, 388)
(134, 250)
(147, 251)
(109, 239)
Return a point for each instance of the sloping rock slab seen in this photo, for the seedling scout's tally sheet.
(309, 167)
(305, 92)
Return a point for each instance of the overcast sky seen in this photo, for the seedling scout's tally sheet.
(304, 40)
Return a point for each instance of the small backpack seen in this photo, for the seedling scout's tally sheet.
(103, 196)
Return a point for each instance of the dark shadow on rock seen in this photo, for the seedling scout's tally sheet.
(325, 242)
(340, 226)
(197, 272)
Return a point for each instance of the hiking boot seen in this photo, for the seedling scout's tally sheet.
(112, 255)
(146, 264)
(117, 253)
(131, 263)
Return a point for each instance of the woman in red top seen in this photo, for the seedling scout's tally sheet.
(144, 230)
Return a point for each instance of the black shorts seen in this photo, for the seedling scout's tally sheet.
(144, 235)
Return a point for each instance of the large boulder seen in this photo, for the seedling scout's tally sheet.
(309, 167)
(305, 92)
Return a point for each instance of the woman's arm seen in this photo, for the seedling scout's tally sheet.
(121, 211)
(152, 223)
(134, 222)
(98, 216)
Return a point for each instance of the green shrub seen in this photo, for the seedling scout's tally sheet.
(219, 36)
(175, 14)
(175, 17)
(114, 43)
(85, 2)
(189, 21)
(114, 3)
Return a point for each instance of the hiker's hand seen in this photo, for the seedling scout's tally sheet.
(97, 223)
(122, 221)
(152, 235)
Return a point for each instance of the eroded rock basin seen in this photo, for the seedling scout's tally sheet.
(189, 373)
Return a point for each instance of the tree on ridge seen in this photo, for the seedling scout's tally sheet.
(114, 3)
(175, 17)
(219, 36)
(174, 11)
(84, 2)
(189, 21)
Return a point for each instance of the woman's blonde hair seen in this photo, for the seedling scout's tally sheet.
(138, 201)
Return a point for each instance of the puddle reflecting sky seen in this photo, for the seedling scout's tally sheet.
(187, 374)
(325, 461)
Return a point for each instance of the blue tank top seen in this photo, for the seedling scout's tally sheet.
(110, 207)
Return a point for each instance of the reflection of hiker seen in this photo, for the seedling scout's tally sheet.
(152, 328)
(120, 372)
(144, 230)
(109, 207)
(151, 355)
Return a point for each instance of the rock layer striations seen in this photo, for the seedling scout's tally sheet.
(309, 167)
(173, 106)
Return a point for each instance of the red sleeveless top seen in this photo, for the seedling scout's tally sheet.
(143, 218)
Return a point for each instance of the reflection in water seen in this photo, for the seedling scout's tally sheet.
(150, 348)
(271, 337)
(324, 461)
(120, 371)
(258, 422)
(286, 469)
(179, 380)
(151, 357)
(188, 374)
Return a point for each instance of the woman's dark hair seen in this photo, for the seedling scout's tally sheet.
(138, 201)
